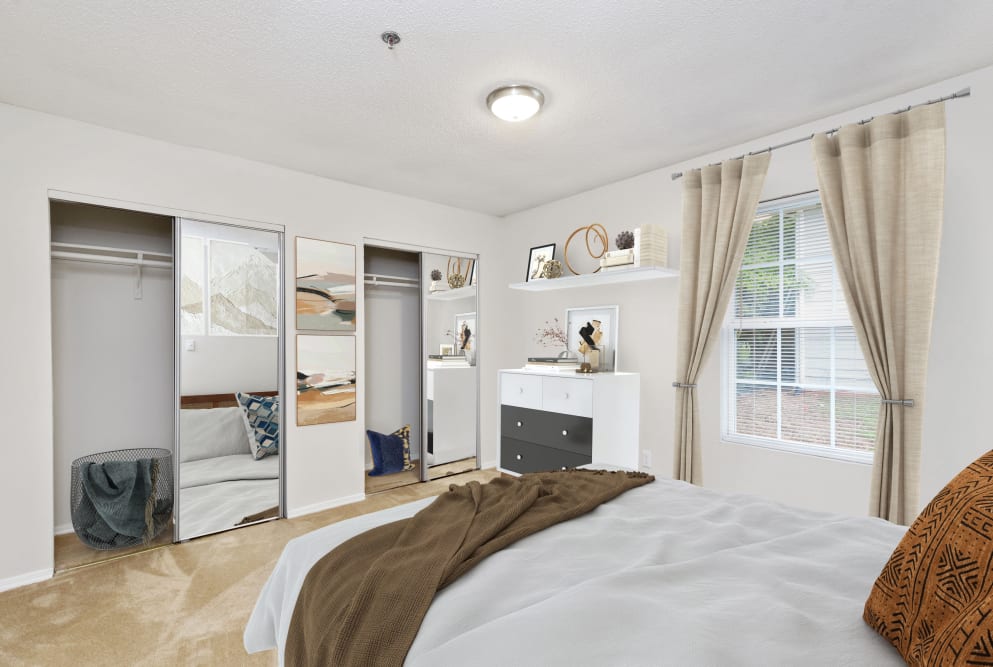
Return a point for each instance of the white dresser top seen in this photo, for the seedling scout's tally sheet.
(558, 374)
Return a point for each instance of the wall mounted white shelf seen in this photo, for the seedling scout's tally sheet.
(452, 294)
(601, 278)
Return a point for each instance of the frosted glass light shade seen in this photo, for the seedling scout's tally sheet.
(515, 103)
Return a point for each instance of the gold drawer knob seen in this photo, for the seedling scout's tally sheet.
(520, 424)
(520, 457)
(565, 432)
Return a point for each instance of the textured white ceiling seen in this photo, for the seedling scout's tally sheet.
(631, 85)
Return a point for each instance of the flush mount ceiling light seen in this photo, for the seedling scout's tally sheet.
(515, 103)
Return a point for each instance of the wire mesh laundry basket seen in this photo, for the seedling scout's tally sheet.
(121, 498)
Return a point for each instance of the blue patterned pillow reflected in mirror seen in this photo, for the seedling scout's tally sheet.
(261, 415)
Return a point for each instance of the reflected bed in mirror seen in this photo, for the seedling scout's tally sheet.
(227, 478)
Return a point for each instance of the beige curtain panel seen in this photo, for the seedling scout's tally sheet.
(719, 205)
(882, 185)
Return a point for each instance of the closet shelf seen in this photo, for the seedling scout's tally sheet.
(452, 294)
(375, 279)
(106, 255)
(593, 279)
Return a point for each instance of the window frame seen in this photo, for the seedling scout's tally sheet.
(730, 324)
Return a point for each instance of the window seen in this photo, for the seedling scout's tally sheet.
(794, 373)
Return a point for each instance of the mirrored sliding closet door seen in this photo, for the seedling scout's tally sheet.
(230, 349)
(451, 372)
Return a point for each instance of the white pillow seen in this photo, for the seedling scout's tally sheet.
(205, 434)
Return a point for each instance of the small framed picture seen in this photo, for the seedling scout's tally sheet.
(446, 349)
(536, 260)
(465, 332)
(590, 329)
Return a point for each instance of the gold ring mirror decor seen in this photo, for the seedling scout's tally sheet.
(594, 235)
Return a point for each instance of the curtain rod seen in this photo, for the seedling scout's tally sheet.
(965, 92)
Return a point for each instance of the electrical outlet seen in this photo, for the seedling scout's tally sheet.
(646, 458)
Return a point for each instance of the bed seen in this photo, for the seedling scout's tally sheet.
(221, 482)
(666, 574)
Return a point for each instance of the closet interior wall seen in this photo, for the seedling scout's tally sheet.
(393, 363)
(113, 349)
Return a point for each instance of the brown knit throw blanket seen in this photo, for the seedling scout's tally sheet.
(359, 604)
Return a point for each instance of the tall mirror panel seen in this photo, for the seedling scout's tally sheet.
(451, 350)
(229, 433)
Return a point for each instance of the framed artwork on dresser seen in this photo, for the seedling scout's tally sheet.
(594, 327)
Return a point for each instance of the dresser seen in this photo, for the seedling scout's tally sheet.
(550, 421)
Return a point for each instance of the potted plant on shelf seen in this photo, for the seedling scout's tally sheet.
(436, 284)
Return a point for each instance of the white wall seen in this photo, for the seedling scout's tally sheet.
(225, 364)
(43, 152)
(960, 360)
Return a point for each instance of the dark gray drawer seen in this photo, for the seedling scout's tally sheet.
(566, 432)
(524, 457)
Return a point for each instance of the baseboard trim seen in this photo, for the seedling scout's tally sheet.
(488, 464)
(25, 579)
(63, 529)
(293, 513)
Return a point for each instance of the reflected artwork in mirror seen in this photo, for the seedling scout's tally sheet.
(229, 428)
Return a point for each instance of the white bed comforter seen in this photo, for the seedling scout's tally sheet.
(226, 469)
(666, 574)
(219, 492)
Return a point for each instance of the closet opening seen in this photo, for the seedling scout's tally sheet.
(113, 371)
(421, 373)
(392, 368)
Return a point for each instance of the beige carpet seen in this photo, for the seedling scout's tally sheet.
(386, 482)
(181, 604)
(70, 552)
(452, 468)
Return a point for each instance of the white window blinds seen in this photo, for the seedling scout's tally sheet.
(795, 377)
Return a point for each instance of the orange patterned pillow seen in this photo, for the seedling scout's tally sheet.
(934, 598)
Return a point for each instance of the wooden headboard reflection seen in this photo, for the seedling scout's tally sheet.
(205, 401)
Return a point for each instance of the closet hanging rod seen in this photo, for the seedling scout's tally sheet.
(81, 252)
(391, 281)
(100, 248)
(105, 259)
